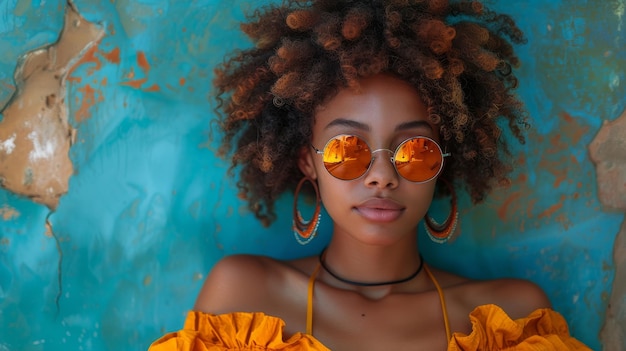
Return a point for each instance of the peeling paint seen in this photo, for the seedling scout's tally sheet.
(90, 96)
(620, 7)
(509, 205)
(153, 88)
(556, 166)
(8, 145)
(142, 61)
(8, 213)
(35, 130)
(552, 209)
(89, 57)
(113, 56)
(607, 151)
(42, 148)
(135, 83)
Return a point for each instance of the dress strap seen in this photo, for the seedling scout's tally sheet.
(446, 322)
(309, 301)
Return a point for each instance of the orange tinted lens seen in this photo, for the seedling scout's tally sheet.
(418, 159)
(347, 157)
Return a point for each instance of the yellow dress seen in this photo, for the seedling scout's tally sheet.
(234, 331)
(492, 329)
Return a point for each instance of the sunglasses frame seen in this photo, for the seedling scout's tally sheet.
(392, 158)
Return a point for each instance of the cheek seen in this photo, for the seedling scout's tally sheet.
(330, 188)
(427, 194)
(420, 197)
(335, 194)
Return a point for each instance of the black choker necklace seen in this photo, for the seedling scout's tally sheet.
(352, 282)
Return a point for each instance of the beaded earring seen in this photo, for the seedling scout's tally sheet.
(305, 231)
(442, 232)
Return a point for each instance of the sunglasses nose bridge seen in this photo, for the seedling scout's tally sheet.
(377, 150)
(391, 158)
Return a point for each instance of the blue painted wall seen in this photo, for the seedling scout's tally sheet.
(150, 208)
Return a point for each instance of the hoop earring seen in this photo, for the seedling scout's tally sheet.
(305, 231)
(441, 233)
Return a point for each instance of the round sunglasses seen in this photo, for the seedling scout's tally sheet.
(348, 157)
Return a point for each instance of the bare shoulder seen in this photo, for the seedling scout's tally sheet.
(517, 297)
(240, 283)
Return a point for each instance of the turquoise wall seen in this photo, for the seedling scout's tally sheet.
(150, 208)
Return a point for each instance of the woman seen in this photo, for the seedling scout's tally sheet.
(376, 106)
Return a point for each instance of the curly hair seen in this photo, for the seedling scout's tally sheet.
(457, 55)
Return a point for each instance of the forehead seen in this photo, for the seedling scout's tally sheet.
(380, 101)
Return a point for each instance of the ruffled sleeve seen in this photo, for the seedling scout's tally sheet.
(492, 329)
(234, 331)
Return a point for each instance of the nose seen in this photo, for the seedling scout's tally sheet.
(382, 173)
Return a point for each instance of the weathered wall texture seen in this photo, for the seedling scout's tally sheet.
(608, 152)
(149, 209)
(35, 136)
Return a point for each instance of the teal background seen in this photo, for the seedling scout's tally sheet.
(150, 208)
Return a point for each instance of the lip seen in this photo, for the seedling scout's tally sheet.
(380, 210)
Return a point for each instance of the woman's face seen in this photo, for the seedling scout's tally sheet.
(380, 207)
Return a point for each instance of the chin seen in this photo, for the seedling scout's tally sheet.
(384, 237)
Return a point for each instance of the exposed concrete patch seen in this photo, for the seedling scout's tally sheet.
(608, 152)
(8, 213)
(35, 136)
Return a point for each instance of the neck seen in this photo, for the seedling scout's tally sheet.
(362, 266)
(362, 283)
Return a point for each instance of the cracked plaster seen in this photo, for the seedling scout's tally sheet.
(35, 135)
(608, 152)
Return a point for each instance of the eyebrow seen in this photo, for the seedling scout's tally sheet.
(362, 126)
(413, 125)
